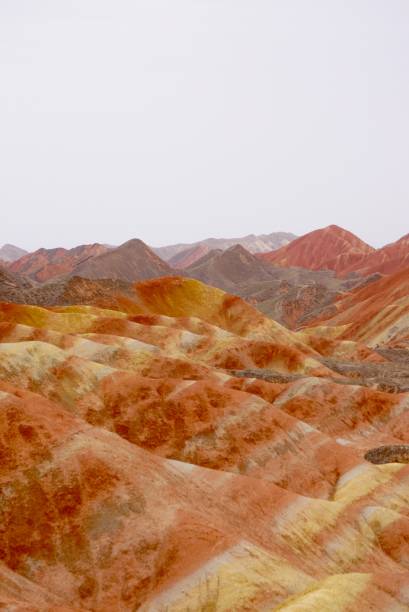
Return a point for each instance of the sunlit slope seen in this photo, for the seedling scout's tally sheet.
(377, 314)
(80, 504)
(139, 471)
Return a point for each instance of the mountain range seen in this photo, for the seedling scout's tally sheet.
(253, 244)
(293, 284)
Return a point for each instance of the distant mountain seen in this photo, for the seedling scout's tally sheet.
(253, 244)
(45, 264)
(227, 269)
(132, 261)
(9, 253)
(330, 248)
(186, 258)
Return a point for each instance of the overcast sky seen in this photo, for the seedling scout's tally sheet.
(175, 120)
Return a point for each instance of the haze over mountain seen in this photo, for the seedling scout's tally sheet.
(184, 259)
(253, 244)
(9, 253)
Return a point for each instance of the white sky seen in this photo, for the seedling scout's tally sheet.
(175, 120)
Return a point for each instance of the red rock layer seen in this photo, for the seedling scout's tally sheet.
(136, 473)
(45, 264)
(331, 248)
(389, 259)
(375, 314)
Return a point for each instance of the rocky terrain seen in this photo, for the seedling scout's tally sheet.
(15, 288)
(165, 446)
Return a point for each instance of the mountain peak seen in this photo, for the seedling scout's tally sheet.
(131, 261)
(10, 252)
(331, 248)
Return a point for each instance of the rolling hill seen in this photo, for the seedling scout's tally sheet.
(178, 450)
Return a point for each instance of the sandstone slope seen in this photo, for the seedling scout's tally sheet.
(139, 472)
(389, 259)
(376, 314)
(330, 248)
(46, 264)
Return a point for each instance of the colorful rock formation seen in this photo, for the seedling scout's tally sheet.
(330, 248)
(45, 264)
(138, 472)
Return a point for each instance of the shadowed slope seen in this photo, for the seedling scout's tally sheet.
(132, 261)
(227, 269)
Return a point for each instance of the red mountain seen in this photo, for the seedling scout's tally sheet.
(389, 259)
(45, 264)
(330, 248)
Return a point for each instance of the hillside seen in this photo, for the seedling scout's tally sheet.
(226, 269)
(177, 450)
(10, 253)
(375, 314)
(46, 264)
(330, 248)
(188, 257)
(132, 261)
(389, 259)
(14, 288)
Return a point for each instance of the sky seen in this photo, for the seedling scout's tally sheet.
(176, 120)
